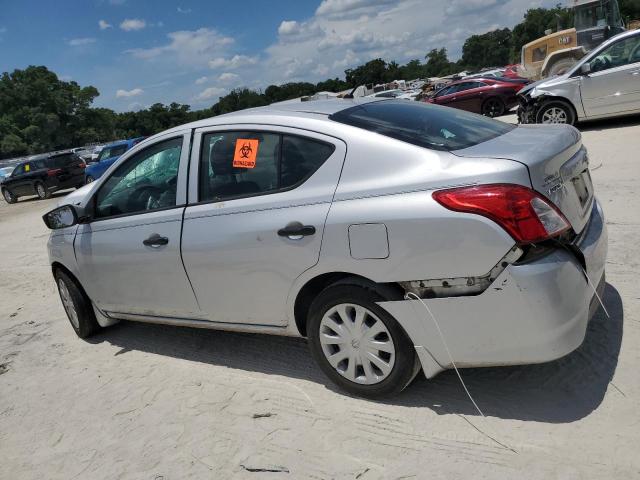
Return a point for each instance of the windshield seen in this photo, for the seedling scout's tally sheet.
(597, 14)
(425, 125)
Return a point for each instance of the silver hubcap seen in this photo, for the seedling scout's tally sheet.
(67, 303)
(7, 195)
(40, 190)
(357, 344)
(89, 179)
(554, 115)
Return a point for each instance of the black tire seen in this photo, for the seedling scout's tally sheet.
(556, 112)
(89, 180)
(493, 107)
(8, 196)
(87, 324)
(404, 367)
(41, 191)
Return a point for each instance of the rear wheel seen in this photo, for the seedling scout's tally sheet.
(77, 306)
(42, 191)
(556, 111)
(493, 107)
(8, 196)
(359, 345)
(560, 67)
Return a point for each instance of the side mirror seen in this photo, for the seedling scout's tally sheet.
(585, 68)
(62, 217)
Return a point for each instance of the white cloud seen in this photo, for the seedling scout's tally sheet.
(187, 47)
(228, 77)
(210, 93)
(236, 61)
(129, 93)
(103, 24)
(467, 7)
(184, 10)
(342, 7)
(201, 80)
(79, 42)
(132, 24)
(293, 31)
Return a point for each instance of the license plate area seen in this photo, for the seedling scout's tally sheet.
(583, 188)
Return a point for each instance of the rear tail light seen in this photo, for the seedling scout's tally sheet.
(526, 215)
(53, 172)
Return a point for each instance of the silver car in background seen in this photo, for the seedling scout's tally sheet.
(605, 83)
(327, 219)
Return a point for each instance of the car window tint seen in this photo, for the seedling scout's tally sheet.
(301, 157)
(63, 160)
(117, 150)
(426, 125)
(147, 181)
(19, 170)
(234, 164)
(105, 153)
(623, 52)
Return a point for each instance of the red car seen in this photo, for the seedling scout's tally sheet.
(490, 97)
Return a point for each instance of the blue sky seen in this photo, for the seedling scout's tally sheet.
(193, 51)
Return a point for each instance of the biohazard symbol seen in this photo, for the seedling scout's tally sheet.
(246, 152)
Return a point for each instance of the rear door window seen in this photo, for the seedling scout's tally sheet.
(241, 164)
(426, 125)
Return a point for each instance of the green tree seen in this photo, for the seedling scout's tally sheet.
(536, 22)
(492, 49)
(630, 10)
(438, 64)
(372, 72)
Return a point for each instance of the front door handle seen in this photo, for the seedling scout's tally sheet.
(295, 231)
(155, 240)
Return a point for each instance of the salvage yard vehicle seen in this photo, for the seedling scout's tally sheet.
(324, 219)
(487, 96)
(594, 22)
(606, 83)
(108, 155)
(42, 175)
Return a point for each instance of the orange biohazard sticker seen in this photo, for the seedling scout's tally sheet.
(246, 153)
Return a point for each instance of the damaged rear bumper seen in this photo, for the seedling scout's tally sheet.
(532, 313)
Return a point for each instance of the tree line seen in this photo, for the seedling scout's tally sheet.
(39, 112)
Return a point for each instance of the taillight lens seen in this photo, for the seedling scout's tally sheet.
(526, 215)
(53, 172)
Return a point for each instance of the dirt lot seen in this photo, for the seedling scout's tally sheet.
(152, 402)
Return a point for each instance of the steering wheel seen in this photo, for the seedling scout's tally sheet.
(634, 56)
(144, 198)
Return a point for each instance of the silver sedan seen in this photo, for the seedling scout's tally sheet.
(333, 220)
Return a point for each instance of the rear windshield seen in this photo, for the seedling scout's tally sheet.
(430, 126)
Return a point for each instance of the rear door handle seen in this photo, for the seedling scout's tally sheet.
(155, 240)
(295, 231)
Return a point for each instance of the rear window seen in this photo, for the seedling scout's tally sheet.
(60, 161)
(429, 126)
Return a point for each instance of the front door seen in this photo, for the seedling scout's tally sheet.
(613, 86)
(129, 254)
(261, 197)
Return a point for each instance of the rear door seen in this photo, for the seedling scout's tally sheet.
(259, 197)
(613, 86)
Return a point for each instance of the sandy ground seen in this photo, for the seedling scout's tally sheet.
(152, 402)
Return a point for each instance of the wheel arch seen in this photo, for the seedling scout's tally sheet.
(312, 288)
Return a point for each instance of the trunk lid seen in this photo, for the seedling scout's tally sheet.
(557, 162)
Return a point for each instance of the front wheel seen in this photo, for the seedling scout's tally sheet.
(556, 111)
(8, 196)
(89, 179)
(77, 306)
(359, 345)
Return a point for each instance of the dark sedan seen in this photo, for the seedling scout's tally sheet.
(490, 97)
(43, 175)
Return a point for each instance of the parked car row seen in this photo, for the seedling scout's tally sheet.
(45, 174)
